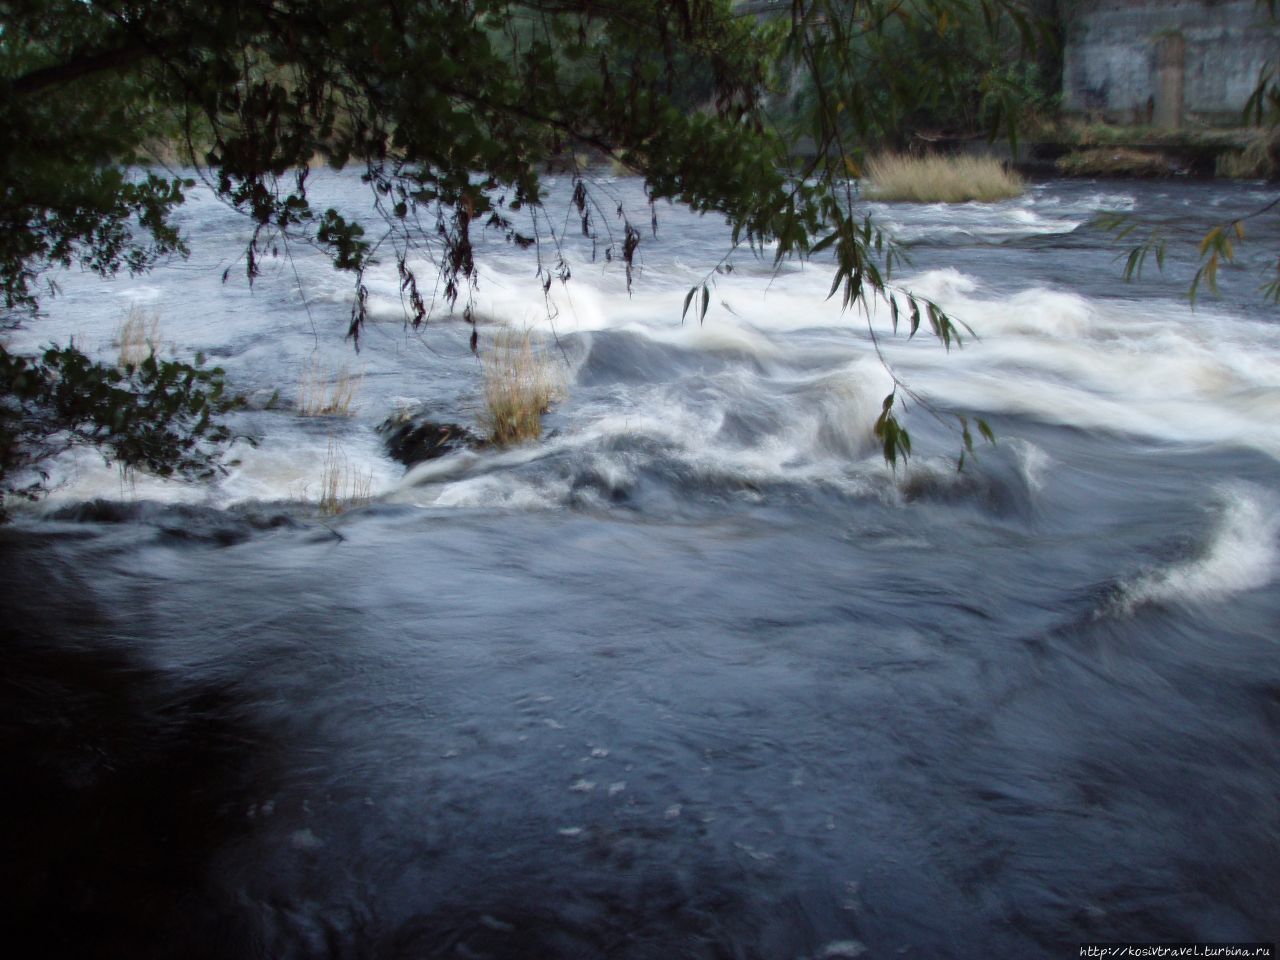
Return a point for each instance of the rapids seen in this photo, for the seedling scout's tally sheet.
(697, 675)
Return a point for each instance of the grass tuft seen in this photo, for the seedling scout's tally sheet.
(325, 394)
(520, 383)
(342, 487)
(138, 336)
(938, 179)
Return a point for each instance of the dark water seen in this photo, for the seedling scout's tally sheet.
(656, 693)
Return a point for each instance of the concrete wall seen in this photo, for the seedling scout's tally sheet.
(1130, 61)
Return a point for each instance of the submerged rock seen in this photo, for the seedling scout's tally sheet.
(413, 441)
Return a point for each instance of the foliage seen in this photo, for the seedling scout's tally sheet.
(452, 108)
(157, 415)
(939, 179)
(1114, 162)
(923, 68)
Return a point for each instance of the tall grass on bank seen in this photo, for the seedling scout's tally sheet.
(1257, 159)
(324, 393)
(938, 179)
(520, 383)
(341, 486)
(138, 336)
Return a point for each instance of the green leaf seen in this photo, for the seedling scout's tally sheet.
(688, 299)
(825, 242)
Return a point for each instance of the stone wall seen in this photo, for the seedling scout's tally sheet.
(1165, 61)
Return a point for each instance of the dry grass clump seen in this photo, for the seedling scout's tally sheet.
(520, 383)
(138, 336)
(322, 393)
(341, 486)
(938, 179)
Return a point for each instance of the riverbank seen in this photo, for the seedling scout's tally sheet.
(1075, 149)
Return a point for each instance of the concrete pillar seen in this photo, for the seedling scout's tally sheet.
(1171, 54)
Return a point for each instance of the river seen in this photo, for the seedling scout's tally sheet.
(697, 675)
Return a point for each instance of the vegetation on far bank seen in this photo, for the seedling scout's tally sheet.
(1108, 150)
(1116, 162)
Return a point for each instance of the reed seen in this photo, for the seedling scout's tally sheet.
(341, 486)
(938, 179)
(520, 384)
(138, 336)
(324, 393)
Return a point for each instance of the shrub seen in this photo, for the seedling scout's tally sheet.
(157, 415)
(938, 179)
(520, 383)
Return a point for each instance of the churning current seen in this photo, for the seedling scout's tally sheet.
(697, 674)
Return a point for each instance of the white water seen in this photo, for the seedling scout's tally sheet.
(1240, 555)
(834, 706)
(772, 344)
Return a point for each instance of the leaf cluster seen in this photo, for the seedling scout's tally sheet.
(452, 111)
(157, 415)
(919, 67)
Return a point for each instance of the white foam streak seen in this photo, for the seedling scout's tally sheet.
(822, 435)
(82, 474)
(1153, 369)
(289, 467)
(1240, 555)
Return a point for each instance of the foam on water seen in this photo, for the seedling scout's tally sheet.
(1149, 368)
(738, 430)
(1033, 463)
(1240, 554)
(286, 465)
(299, 467)
(790, 383)
(1032, 215)
(81, 474)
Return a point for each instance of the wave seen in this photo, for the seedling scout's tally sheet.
(1152, 369)
(1240, 555)
(727, 430)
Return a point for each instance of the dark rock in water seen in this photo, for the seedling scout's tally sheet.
(414, 441)
(179, 522)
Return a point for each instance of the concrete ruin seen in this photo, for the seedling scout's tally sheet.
(1166, 62)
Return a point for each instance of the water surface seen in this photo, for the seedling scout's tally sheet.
(698, 675)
